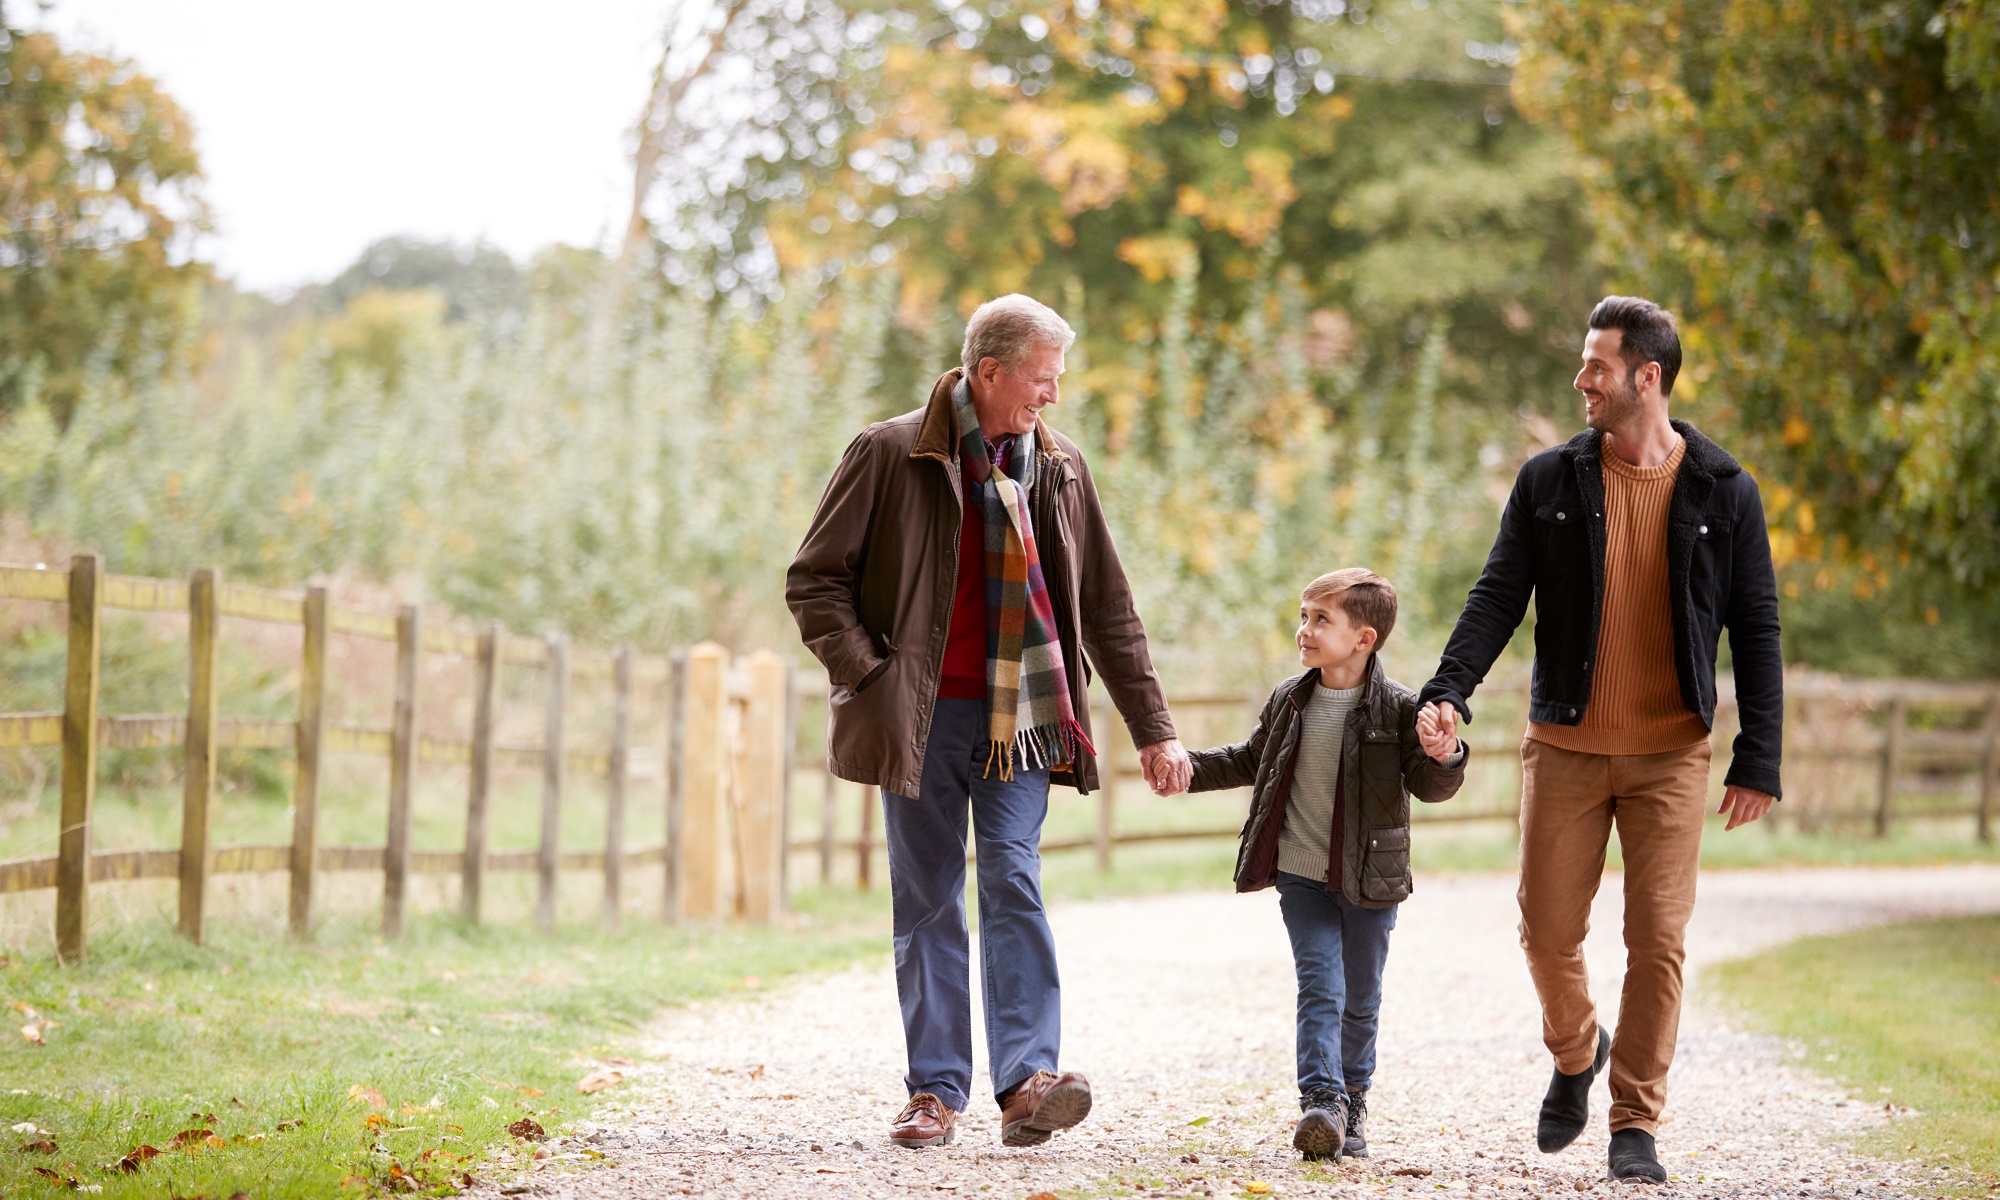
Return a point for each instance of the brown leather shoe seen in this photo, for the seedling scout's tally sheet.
(924, 1121)
(1042, 1104)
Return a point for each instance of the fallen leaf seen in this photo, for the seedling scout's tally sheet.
(45, 1146)
(601, 1078)
(56, 1177)
(237, 1103)
(757, 1072)
(1044, 1196)
(449, 1128)
(1200, 1121)
(843, 1171)
(531, 1092)
(1257, 1187)
(201, 1118)
(529, 1129)
(214, 1143)
(541, 1152)
(33, 1032)
(189, 1137)
(375, 1121)
(131, 1162)
(368, 1096)
(1414, 1171)
(294, 1123)
(27, 1127)
(25, 1009)
(618, 1061)
(1191, 1158)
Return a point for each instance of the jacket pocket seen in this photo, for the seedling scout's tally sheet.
(1385, 866)
(888, 652)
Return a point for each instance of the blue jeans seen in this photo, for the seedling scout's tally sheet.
(1338, 950)
(926, 836)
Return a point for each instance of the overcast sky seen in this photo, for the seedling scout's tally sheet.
(323, 126)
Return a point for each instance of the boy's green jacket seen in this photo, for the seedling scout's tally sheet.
(1381, 765)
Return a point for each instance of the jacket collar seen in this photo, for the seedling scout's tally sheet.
(1702, 455)
(937, 431)
(1371, 682)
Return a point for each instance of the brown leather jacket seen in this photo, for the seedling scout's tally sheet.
(1381, 764)
(872, 586)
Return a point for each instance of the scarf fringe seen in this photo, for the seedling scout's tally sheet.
(1045, 747)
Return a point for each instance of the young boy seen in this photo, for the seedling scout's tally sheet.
(1335, 756)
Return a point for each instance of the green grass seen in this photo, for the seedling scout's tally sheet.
(1907, 1014)
(460, 1030)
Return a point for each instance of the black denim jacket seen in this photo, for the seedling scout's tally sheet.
(1719, 574)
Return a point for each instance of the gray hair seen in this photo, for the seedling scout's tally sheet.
(1006, 328)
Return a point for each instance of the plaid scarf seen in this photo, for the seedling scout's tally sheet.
(1032, 726)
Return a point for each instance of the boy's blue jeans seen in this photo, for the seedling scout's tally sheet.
(1338, 950)
(926, 836)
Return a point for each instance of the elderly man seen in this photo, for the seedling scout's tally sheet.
(956, 574)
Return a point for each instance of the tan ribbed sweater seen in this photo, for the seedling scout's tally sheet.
(1635, 700)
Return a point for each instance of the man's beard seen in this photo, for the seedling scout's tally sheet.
(1619, 405)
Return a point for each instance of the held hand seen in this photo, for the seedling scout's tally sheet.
(1743, 806)
(1167, 767)
(1437, 730)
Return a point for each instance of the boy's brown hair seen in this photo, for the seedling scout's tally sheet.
(1366, 598)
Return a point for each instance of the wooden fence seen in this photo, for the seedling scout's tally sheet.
(724, 754)
(1852, 747)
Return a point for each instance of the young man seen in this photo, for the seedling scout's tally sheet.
(1640, 540)
(1335, 756)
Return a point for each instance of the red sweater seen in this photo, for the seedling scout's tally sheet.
(964, 674)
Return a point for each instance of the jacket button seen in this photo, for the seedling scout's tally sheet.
(1562, 516)
(1572, 712)
(1704, 530)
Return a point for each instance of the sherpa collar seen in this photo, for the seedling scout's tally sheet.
(1703, 455)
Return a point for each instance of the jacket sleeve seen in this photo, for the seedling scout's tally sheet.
(1113, 635)
(1494, 607)
(825, 577)
(1234, 765)
(1423, 776)
(1755, 648)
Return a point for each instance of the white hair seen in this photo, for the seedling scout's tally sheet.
(1006, 328)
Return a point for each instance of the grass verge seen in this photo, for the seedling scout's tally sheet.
(351, 1064)
(1906, 1015)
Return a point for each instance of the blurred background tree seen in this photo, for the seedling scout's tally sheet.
(1816, 188)
(1329, 262)
(99, 202)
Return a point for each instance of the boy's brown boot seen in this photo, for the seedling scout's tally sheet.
(1322, 1132)
(924, 1121)
(1042, 1104)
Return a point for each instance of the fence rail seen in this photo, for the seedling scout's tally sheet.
(725, 790)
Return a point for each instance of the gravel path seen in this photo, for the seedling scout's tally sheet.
(1180, 1010)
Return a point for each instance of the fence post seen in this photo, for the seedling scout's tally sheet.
(555, 754)
(1989, 767)
(479, 791)
(865, 852)
(79, 755)
(762, 813)
(788, 772)
(198, 792)
(1111, 738)
(676, 772)
(614, 794)
(826, 826)
(1892, 762)
(707, 768)
(311, 745)
(402, 766)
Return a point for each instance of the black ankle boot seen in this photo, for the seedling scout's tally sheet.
(1633, 1156)
(1566, 1108)
(1357, 1116)
(1322, 1132)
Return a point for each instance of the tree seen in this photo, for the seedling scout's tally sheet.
(99, 201)
(1815, 188)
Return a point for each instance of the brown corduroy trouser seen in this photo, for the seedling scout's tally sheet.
(1569, 802)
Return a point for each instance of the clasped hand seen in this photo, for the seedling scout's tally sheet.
(1437, 730)
(1167, 766)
